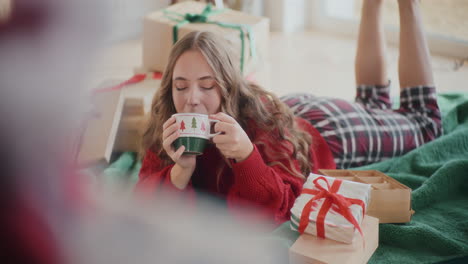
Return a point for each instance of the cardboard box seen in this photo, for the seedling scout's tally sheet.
(311, 249)
(130, 133)
(116, 121)
(133, 107)
(144, 90)
(137, 106)
(158, 34)
(390, 201)
(97, 138)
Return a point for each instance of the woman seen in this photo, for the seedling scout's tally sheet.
(263, 152)
(262, 155)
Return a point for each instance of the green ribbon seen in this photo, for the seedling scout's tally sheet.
(182, 19)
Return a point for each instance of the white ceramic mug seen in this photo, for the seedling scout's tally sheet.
(194, 130)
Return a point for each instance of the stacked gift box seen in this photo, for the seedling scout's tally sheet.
(115, 119)
(322, 215)
(330, 215)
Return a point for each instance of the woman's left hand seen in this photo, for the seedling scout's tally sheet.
(233, 142)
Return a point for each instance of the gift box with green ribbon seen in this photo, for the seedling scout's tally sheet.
(248, 35)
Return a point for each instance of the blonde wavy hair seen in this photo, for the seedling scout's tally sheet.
(246, 102)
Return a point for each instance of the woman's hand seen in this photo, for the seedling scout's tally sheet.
(233, 142)
(170, 134)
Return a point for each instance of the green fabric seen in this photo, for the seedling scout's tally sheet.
(183, 19)
(438, 174)
(123, 172)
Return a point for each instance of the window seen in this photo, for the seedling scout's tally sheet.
(446, 22)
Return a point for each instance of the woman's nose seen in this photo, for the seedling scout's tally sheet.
(193, 96)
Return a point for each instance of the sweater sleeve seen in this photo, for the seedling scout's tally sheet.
(270, 188)
(152, 177)
(268, 182)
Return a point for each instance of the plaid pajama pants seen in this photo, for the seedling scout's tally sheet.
(369, 130)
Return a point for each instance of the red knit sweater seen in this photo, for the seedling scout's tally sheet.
(269, 187)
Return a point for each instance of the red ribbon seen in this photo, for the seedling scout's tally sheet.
(331, 197)
(134, 79)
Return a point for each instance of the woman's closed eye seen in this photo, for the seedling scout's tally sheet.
(207, 84)
(204, 88)
(204, 84)
(180, 85)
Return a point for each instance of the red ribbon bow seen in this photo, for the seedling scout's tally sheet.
(331, 197)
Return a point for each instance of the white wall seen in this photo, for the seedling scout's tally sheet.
(286, 15)
(127, 16)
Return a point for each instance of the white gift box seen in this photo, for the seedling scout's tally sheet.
(336, 226)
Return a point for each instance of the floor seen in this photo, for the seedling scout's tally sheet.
(314, 62)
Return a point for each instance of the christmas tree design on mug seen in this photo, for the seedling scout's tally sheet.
(195, 138)
(194, 123)
(182, 126)
(202, 127)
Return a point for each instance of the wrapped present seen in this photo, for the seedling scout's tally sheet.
(248, 35)
(311, 249)
(98, 130)
(330, 208)
(390, 200)
(130, 133)
(115, 120)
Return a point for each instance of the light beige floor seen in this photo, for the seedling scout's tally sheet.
(315, 62)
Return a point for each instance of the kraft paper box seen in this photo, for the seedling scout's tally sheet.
(97, 136)
(158, 34)
(335, 225)
(130, 133)
(310, 249)
(390, 200)
(116, 121)
(137, 105)
(143, 90)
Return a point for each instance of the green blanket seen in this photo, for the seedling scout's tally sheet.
(438, 174)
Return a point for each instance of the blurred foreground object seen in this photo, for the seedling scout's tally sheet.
(49, 213)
